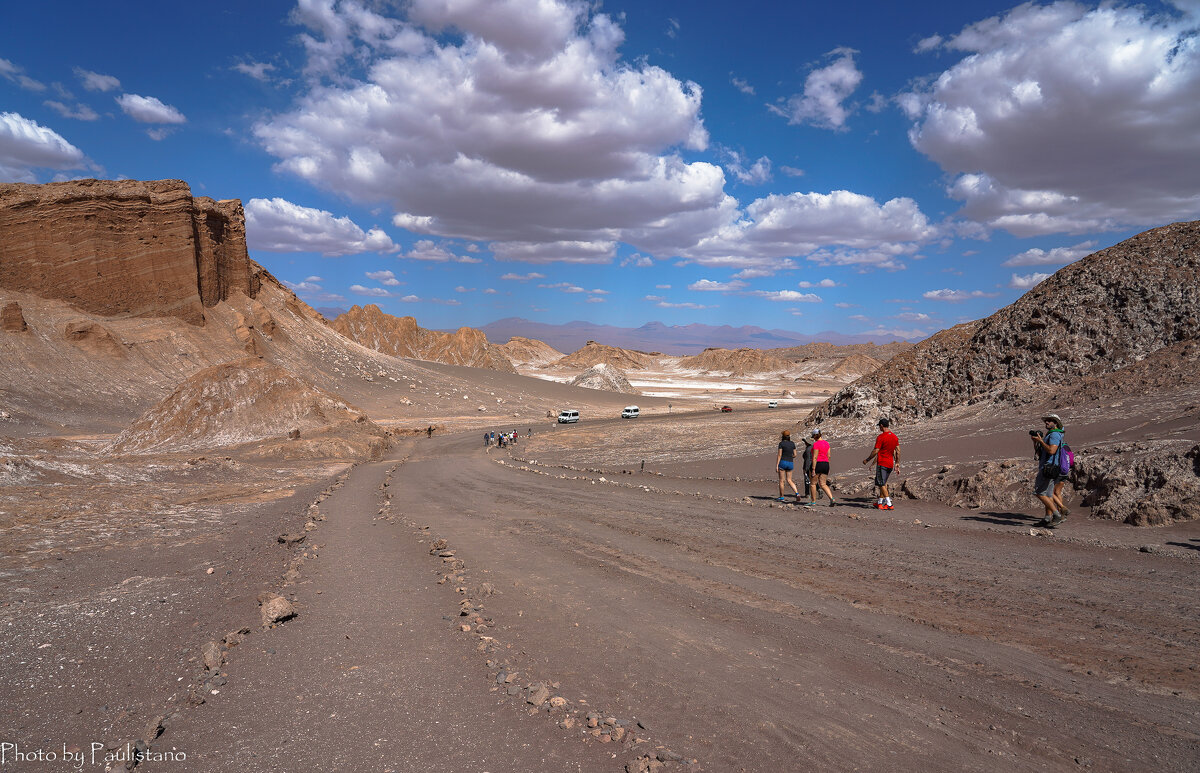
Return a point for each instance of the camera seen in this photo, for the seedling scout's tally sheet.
(1034, 433)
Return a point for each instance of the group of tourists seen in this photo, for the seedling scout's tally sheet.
(815, 463)
(1053, 454)
(504, 439)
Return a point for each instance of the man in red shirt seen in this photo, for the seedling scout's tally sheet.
(887, 456)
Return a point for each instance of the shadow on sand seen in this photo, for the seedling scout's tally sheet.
(1004, 519)
(1192, 544)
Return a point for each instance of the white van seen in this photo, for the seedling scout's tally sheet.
(630, 412)
(773, 404)
(568, 417)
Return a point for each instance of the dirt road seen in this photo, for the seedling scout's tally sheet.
(740, 635)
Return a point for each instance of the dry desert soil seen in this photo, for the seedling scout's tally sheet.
(462, 607)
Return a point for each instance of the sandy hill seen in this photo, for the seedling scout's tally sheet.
(735, 362)
(247, 401)
(402, 337)
(1103, 313)
(593, 353)
(529, 352)
(604, 377)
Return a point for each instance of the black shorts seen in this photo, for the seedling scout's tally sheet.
(822, 468)
(881, 475)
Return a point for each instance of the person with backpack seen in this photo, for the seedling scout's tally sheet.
(886, 455)
(1046, 450)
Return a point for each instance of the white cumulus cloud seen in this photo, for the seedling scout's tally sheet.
(1026, 281)
(837, 228)
(709, 286)
(149, 109)
(825, 91)
(955, 296)
(26, 145)
(1057, 256)
(278, 225)
(1064, 118)
(94, 81)
(384, 278)
(499, 121)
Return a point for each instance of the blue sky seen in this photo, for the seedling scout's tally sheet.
(858, 167)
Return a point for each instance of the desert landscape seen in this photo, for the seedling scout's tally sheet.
(237, 535)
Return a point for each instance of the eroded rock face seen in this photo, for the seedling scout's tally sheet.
(1103, 313)
(593, 353)
(402, 337)
(12, 320)
(123, 248)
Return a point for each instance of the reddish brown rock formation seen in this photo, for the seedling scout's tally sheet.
(402, 337)
(11, 318)
(123, 248)
(593, 353)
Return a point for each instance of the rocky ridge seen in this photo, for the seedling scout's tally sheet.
(593, 353)
(735, 362)
(402, 337)
(1100, 314)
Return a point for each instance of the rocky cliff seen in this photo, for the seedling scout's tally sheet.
(123, 248)
(1107, 311)
(402, 337)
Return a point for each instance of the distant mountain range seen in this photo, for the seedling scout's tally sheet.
(669, 339)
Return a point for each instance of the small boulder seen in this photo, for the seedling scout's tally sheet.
(276, 609)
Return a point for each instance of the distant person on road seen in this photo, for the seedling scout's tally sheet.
(785, 462)
(886, 456)
(429, 431)
(821, 466)
(486, 440)
(1045, 485)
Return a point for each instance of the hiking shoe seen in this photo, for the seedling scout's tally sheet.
(888, 507)
(1046, 521)
(810, 504)
(831, 503)
(1056, 520)
(878, 505)
(1065, 511)
(781, 499)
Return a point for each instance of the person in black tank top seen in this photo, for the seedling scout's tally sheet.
(785, 462)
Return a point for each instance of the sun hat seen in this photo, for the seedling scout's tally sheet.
(1052, 417)
(816, 432)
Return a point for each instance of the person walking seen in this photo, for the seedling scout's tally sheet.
(486, 442)
(821, 467)
(785, 462)
(886, 456)
(806, 459)
(1045, 448)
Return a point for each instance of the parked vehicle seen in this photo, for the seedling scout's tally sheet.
(726, 409)
(630, 412)
(773, 404)
(568, 417)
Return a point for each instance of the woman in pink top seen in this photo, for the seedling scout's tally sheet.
(820, 473)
